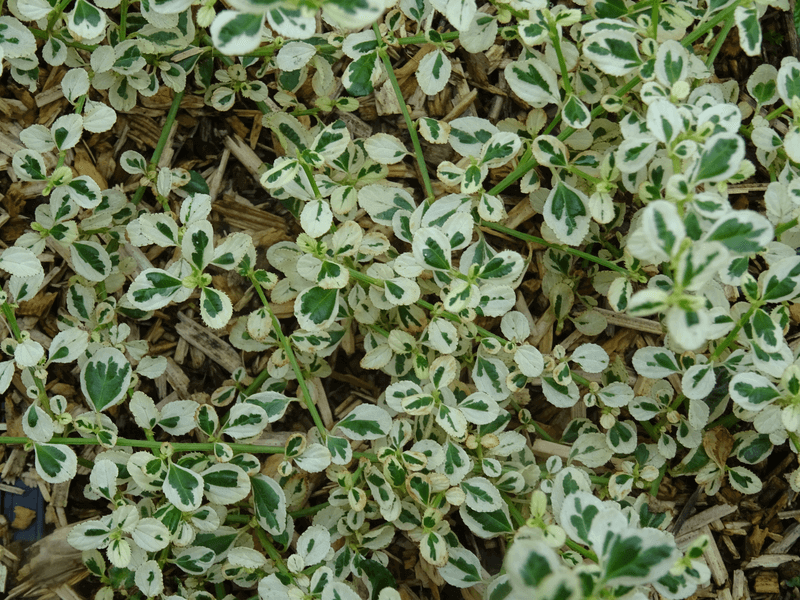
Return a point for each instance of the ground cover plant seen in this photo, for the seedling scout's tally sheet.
(624, 149)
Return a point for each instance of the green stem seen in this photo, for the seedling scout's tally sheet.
(784, 227)
(43, 35)
(127, 443)
(556, 39)
(162, 142)
(102, 294)
(270, 49)
(734, 332)
(542, 433)
(723, 15)
(718, 44)
(162, 557)
(311, 181)
(370, 456)
(654, 19)
(412, 129)
(420, 39)
(520, 520)
(580, 380)
(726, 421)
(581, 550)
(663, 420)
(260, 378)
(532, 238)
(584, 175)
(295, 514)
(380, 330)
(514, 511)
(308, 510)
(11, 319)
(55, 14)
(287, 349)
(687, 41)
(43, 399)
(650, 429)
(656, 484)
(308, 111)
(642, 4)
(747, 131)
(238, 519)
(359, 276)
(526, 163)
(123, 19)
(271, 551)
(776, 113)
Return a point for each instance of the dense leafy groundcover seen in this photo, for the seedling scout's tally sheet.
(626, 145)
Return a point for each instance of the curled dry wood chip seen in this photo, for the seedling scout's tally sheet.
(23, 517)
(771, 561)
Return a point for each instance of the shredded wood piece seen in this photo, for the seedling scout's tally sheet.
(702, 519)
(637, 323)
(739, 589)
(790, 535)
(4, 487)
(771, 561)
(545, 448)
(244, 154)
(213, 346)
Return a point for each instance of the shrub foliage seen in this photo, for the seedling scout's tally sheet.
(627, 150)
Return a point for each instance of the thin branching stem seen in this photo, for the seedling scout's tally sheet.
(412, 129)
(662, 422)
(359, 276)
(555, 37)
(641, 5)
(542, 433)
(525, 237)
(55, 14)
(526, 163)
(11, 319)
(43, 35)
(575, 547)
(311, 181)
(152, 444)
(723, 34)
(777, 112)
(734, 332)
(447, 36)
(656, 483)
(287, 349)
(162, 142)
(584, 175)
(723, 15)
(271, 550)
(123, 20)
(513, 510)
(654, 20)
(295, 514)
